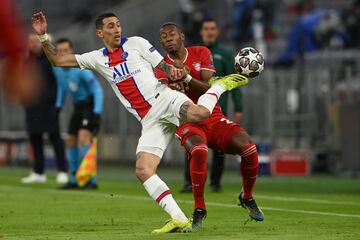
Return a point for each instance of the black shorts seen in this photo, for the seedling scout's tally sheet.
(82, 117)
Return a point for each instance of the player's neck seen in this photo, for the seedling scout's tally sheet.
(179, 55)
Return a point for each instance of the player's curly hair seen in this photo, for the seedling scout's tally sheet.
(172, 24)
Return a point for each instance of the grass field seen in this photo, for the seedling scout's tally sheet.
(318, 207)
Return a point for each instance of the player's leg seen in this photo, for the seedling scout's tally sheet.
(72, 150)
(37, 176)
(241, 144)
(207, 101)
(146, 165)
(198, 151)
(73, 158)
(59, 149)
(154, 139)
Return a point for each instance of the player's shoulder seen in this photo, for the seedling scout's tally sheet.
(198, 49)
(135, 39)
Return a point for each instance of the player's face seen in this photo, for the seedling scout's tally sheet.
(209, 32)
(110, 32)
(34, 44)
(171, 39)
(64, 48)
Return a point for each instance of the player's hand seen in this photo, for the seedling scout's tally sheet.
(39, 23)
(176, 74)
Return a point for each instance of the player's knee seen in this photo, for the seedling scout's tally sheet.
(199, 116)
(143, 173)
(241, 140)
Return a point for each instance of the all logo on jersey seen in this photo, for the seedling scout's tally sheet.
(121, 72)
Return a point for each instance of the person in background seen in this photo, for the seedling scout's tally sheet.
(224, 65)
(88, 98)
(42, 117)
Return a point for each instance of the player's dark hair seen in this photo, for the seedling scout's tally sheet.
(99, 24)
(171, 24)
(209, 19)
(64, 40)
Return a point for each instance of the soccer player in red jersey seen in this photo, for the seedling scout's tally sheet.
(216, 132)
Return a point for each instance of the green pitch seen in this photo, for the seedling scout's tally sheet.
(295, 208)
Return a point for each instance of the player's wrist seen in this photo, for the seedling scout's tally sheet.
(43, 37)
(188, 78)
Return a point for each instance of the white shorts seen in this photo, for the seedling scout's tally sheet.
(159, 124)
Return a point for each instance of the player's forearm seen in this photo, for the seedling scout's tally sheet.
(165, 67)
(51, 52)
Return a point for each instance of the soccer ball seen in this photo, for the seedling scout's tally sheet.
(249, 62)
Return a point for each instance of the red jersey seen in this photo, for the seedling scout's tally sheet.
(197, 58)
(217, 131)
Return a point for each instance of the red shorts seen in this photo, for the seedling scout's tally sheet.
(217, 132)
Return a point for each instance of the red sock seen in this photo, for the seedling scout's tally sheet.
(249, 168)
(198, 172)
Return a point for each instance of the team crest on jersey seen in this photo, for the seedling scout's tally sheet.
(197, 66)
(124, 55)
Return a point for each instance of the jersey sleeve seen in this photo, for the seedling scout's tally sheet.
(86, 60)
(206, 60)
(148, 52)
(95, 89)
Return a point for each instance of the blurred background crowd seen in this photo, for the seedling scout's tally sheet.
(306, 100)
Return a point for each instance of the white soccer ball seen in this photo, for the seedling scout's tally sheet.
(249, 62)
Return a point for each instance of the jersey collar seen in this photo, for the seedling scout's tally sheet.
(123, 40)
(186, 56)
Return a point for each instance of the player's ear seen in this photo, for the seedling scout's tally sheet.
(182, 36)
(99, 33)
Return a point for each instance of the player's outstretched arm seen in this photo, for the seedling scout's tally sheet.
(39, 25)
(172, 72)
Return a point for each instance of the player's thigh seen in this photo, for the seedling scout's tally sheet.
(240, 140)
(194, 113)
(191, 135)
(155, 137)
(222, 134)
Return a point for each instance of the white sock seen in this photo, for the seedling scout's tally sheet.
(211, 97)
(160, 192)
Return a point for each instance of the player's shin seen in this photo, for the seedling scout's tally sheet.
(198, 174)
(249, 169)
(160, 192)
(211, 97)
